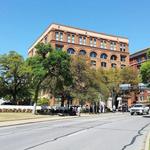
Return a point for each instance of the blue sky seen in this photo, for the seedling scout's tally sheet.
(22, 21)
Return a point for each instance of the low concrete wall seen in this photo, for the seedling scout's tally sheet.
(18, 107)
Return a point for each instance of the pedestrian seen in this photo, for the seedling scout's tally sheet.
(79, 111)
(114, 108)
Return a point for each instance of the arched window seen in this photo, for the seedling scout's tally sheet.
(70, 51)
(103, 56)
(113, 65)
(93, 54)
(103, 64)
(82, 52)
(113, 57)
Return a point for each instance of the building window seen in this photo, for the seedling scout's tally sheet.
(103, 56)
(82, 52)
(91, 42)
(72, 38)
(68, 38)
(123, 66)
(113, 57)
(145, 57)
(94, 42)
(93, 54)
(113, 65)
(113, 45)
(139, 59)
(93, 63)
(103, 64)
(80, 40)
(122, 58)
(84, 40)
(59, 36)
(103, 44)
(70, 51)
(122, 47)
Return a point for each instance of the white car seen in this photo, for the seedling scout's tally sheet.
(139, 109)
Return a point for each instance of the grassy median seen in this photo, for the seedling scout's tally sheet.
(19, 116)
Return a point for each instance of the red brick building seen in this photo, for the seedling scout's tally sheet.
(136, 60)
(104, 50)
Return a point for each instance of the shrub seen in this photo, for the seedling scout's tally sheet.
(42, 101)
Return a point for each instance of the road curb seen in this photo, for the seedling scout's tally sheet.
(147, 143)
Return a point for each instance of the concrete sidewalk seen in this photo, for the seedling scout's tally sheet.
(27, 121)
(147, 142)
(50, 118)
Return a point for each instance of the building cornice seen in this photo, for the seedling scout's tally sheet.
(79, 31)
(140, 52)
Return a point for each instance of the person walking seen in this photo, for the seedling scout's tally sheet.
(114, 108)
(79, 111)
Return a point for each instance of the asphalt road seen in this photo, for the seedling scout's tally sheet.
(103, 132)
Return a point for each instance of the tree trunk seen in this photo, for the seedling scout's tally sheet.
(62, 100)
(35, 99)
(14, 98)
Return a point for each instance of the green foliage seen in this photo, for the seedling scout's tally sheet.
(87, 83)
(43, 49)
(148, 53)
(129, 76)
(14, 77)
(112, 79)
(50, 70)
(60, 76)
(42, 101)
(38, 64)
(145, 72)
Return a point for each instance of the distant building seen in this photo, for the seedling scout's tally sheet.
(104, 50)
(136, 60)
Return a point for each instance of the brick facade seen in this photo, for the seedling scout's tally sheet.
(104, 50)
(136, 60)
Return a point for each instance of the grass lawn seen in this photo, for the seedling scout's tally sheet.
(19, 116)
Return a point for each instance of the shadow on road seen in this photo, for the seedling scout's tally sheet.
(146, 116)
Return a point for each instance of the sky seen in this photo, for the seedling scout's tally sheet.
(23, 21)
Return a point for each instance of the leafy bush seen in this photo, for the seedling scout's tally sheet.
(43, 101)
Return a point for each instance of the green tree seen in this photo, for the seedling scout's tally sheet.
(14, 77)
(112, 80)
(38, 64)
(79, 69)
(145, 69)
(145, 72)
(148, 53)
(50, 70)
(87, 83)
(60, 78)
(130, 76)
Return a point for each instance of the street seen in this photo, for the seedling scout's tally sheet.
(98, 132)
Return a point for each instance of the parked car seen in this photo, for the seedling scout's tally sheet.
(139, 109)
